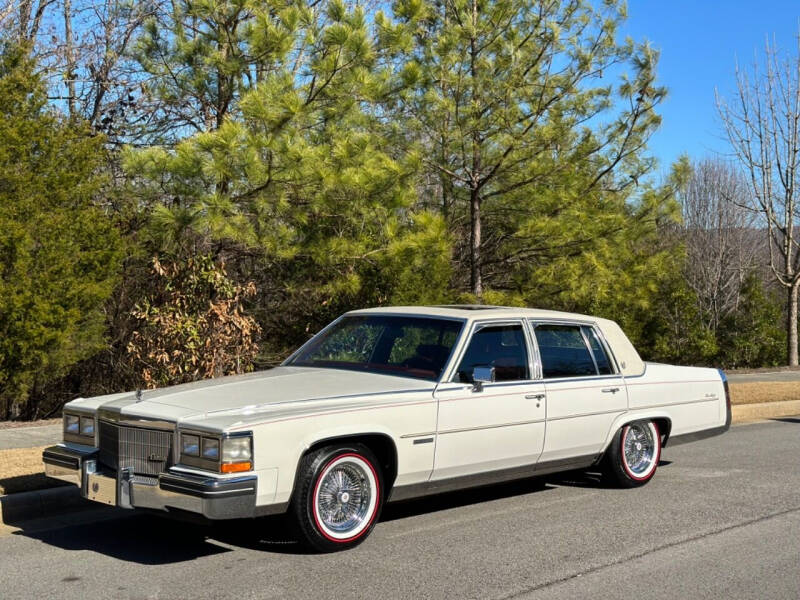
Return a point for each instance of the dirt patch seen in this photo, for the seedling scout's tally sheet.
(764, 391)
(22, 470)
(18, 424)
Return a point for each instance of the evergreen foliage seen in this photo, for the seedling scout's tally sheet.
(290, 161)
(59, 255)
(532, 135)
(300, 185)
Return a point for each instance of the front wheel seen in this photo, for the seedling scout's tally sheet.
(632, 457)
(338, 497)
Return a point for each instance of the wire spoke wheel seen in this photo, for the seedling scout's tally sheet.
(641, 448)
(345, 497)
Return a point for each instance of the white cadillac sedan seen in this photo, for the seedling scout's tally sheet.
(388, 404)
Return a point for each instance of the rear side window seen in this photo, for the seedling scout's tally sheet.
(600, 356)
(563, 351)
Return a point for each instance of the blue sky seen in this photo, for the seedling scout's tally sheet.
(699, 43)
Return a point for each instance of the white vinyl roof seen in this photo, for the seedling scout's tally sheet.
(477, 311)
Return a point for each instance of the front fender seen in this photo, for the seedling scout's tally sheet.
(295, 453)
(342, 431)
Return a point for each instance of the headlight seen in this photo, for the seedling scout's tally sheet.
(237, 454)
(79, 429)
(87, 426)
(72, 424)
(211, 448)
(227, 453)
(236, 449)
(190, 445)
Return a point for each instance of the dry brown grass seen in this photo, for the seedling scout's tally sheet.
(21, 470)
(760, 391)
(18, 424)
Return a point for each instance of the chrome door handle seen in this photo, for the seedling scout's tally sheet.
(534, 396)
(610, 390)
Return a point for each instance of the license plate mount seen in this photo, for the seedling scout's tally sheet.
(101, 488)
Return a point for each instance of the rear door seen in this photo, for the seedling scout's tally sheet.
(501, 425)
(585, 391)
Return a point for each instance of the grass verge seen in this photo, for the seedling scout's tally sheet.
(762, 391)
(22, 470)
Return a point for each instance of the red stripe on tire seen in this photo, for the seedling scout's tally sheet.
(320, 528)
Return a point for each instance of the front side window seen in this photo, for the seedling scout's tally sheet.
(563, 351)
(499, 346)
(407, 346)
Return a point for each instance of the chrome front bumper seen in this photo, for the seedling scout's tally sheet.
(212, 497)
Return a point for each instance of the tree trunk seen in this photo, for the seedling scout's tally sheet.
(475, 243)
(474, 191)
(791, 333)
(70, 58)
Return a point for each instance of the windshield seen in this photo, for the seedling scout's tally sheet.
(405, 346)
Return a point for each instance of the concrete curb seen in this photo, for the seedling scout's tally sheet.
(24, 506)
(764, 410)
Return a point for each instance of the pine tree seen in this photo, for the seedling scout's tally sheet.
(299, 186)
(531, 150)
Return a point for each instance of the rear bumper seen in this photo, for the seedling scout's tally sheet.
(212, 497)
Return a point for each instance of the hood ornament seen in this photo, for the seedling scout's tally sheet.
(138, 395)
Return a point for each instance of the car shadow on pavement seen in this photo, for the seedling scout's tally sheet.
(787, 419)
(456, 499)
(589, 478)
(143, 539)
(27, 483)
(150, 539)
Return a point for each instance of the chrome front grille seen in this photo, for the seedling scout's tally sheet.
(147, 451)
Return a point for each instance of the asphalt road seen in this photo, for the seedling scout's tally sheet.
(30, 437)
(764, 376)
(721, 518)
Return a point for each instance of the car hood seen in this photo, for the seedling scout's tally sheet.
(277, 391)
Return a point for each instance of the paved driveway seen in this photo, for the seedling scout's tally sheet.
(720, 519)
(765, 377)
(30, 437)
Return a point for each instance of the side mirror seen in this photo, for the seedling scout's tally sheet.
(481, 375)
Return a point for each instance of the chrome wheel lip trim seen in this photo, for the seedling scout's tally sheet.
(364, 514)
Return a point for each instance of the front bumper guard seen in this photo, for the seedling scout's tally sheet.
(212, 497)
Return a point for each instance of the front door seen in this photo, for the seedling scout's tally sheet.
(497, 425)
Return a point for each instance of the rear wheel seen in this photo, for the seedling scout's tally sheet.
(632, 457)
(338, 497)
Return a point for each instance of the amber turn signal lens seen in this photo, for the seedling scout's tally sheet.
(235, 467)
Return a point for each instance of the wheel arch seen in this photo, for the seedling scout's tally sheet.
(662, 420)
(381, 444)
